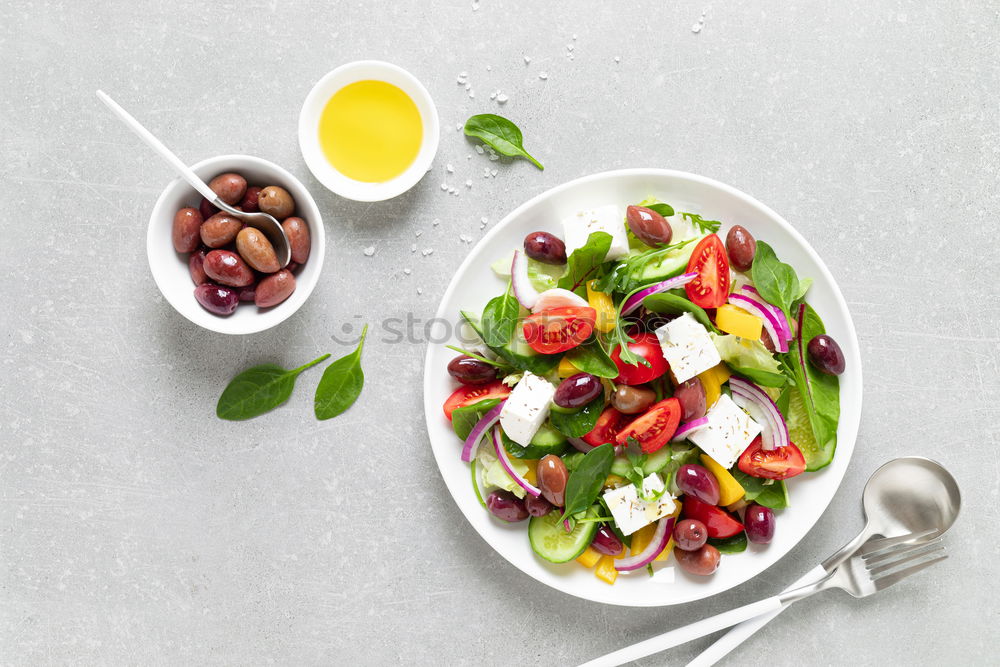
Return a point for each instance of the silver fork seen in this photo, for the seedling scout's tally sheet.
(876, 567)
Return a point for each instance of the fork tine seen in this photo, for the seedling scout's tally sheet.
(908, 557)
(896, 552)
(884, 582)
(875, 546)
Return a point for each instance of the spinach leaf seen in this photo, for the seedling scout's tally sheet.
(585, 260)
(500, 318)
(591, 358)
(762, 377)
(578, 424)
(776, 281)
(258, 390)
(759, 491)
(804, 285)
(672, 304)
(341, 383)
(463, 419)
(654, 204)
(730, 545)
(572, 460)
(500, 134)
(585, 482)
(706, 226)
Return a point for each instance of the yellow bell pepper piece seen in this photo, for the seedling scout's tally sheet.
(532, 474)
(613, 481)
(735, 320)
(588, 558)
(729, 489)
(605, 307)
(712, 380)
(566, 368)
(642, 537)
(605, 569)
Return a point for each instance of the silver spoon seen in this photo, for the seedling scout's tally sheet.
(906, 495)
(267, 224)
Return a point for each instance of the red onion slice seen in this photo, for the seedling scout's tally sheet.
(753, 399)
(772, 324)
(751, 292)
(655, 547)
(477, 432)
(689, 427)
(505, 462)
(558, 297)
(580, 444)
(635, 300)
(525, 292)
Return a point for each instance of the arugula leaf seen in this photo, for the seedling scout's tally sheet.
(706, 226)
(500, 134)
(258, 390)
(628, 274)
(479, 357)
(464, 419)
(592, 358)
(585, 260)
(672, 304)
(585, 482)
(341, 383)
(776, 281)
(756, 489)
(578, 424)
(730, 545)
(500, 318)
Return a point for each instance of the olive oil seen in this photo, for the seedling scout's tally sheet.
(370, 131)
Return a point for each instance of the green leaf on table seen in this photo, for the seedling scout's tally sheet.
(500, 134)
(341, 383)
(582, 263)
(258, 390)
(585, 482)
(500, 318)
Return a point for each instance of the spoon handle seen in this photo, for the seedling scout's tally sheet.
(154, 143)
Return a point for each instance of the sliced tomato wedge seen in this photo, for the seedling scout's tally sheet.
(608, 424)
(559, 329)
(647, 346)
(469, 394)
(653, 428)
(777, 463)
(718, 522)
(709, 260)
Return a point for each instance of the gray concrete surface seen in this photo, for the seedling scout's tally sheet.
(136, 528)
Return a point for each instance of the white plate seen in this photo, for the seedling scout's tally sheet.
(474, 284)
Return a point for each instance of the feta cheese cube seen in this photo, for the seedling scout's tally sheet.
(632, 512)
(728, 433)
(687, 347)
(526, 408)
(609, 219)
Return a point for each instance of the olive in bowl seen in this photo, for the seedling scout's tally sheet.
(177, 255)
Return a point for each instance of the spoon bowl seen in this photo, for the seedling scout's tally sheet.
(267, 224)
(911, 495)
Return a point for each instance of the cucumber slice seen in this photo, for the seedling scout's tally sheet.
(550, 540)
(658, 460)
(546, 441)
(801, 433)
(620, 466)
(672, 264)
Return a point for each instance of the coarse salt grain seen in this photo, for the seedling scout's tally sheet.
(468, 183)
(451, 169)
(369, 251)
(543, 75)
(427, 251)
(502, 98)
(407, 271)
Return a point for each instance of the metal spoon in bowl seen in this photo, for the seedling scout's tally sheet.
(909, 495)
(267, 224)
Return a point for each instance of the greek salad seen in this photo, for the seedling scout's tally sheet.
(643, 389)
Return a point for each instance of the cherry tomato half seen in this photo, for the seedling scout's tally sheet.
(608, 424)
(559, 329)
(718, 522)
(647, 346)
(653, 428)
(709, 260)
(777, 463)
(469, 394)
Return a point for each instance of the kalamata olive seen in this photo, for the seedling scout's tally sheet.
(276, 201)
(505, 506)
(690, 534)
(471, 371)
(759, 523)
(577, 390)
(702, 562)
(632, 400)
(297, 231)
(216, 299)
(691, 394)
(248, 293)
(249, 201)
(187, 227)
(229, 187)
(606, 542)
(196, 266)
(552, 476)
(545, 248)
(293, 266)
(649, 226)
(826, 355)
(220, 230)
(274, 289)
(537, 506)
(697, 481)
(207, 209)
(256, 250)
(766, 341)
(228, 268)
(741, 248)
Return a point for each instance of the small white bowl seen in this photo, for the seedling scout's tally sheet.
(170, 268)
(312, 109)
